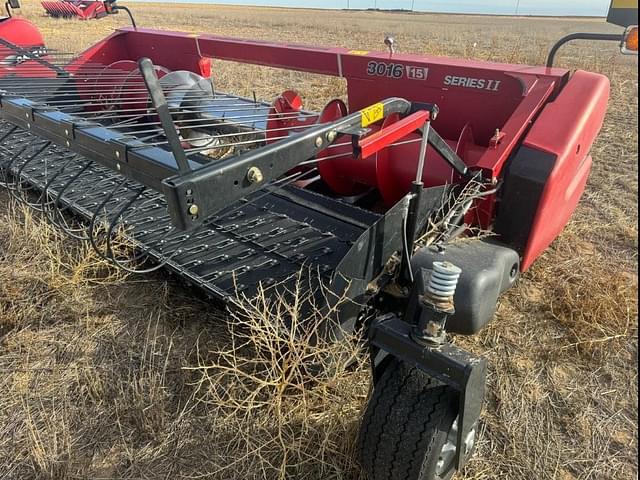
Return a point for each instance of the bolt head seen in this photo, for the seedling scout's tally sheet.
(118, 167)
(117, 154)
(254, 175)
(331, 136)
(319, 142)
(193, 209)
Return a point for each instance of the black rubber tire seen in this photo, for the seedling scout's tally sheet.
(405, 425)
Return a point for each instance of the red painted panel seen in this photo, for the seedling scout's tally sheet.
(566, 128)
(24, 34)
(20, 32)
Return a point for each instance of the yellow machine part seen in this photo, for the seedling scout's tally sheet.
(623, 12)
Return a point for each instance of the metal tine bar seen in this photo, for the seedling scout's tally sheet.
(162, 258)
(173, 111)
(92, 224)
(47, 49)
(124, 123)
(268, 115)
(74, 104)
(86, 82)
(9, 162)
(86, 90)
(117, 220)
(58, 59)
(78, 67)
(222, 122)
(81, 68)
(8, 46)
(214, 136)
(208, 102)
(8, 133)
(206, 136)
(229, 121)
(83, 76)
(90, 90)
(146, 138)
(62, 54)
(48, 181)
(57, 52)
(5, 167)
(332, 146)
(224, 135)
(206, 107)
(54, 53)
(218, 100)
(56, 203)
(59, 86)
(27, 144)
(17, 191)
(194, 150)
(79, 80)
(123, 114)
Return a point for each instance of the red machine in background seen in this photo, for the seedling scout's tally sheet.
(238, 195)
(18, 31)
(81, 9)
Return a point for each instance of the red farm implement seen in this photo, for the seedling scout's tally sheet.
(368, 195)
(81, 9)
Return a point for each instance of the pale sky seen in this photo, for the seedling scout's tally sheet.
(505, 7)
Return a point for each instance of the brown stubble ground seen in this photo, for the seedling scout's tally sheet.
(99, 372)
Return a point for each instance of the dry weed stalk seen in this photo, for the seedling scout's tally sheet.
(286, 396)
(447, 218)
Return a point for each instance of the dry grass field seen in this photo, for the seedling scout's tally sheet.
(104, 375)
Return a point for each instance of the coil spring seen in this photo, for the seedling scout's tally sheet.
(443, 280)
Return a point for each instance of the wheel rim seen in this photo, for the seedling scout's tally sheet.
(445, 465)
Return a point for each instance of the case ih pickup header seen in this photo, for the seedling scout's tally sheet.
(131, 138)
(83, 10)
